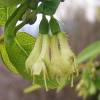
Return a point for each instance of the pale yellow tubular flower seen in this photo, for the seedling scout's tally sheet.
(43, 60)
(56, 69)
(34, 53)
(67, 56)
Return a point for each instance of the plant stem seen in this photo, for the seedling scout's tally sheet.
(10, 31)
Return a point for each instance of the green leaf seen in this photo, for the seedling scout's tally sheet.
(5, 58)
(49, 7)
(9, 3)
(19, 50)
(4, 14)
(89, 52)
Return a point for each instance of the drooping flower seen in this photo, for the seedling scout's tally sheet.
(34, 53)
(63, 63)
(57, 68)
(61, 54)
(52, 62)
(40, 66)
(68, 56)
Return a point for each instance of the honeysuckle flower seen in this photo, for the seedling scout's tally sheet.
(57, 68)
(63, 62)
(40, 66)
(43, 58)
(68, 56)
(34, 53)
(39, 58)
(52, 62)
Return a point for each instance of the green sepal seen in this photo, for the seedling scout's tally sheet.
(44, 26)
(54, 25)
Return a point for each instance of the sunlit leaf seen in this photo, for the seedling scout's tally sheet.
(18, 53)
(89, 52)
(5, 12)
(9, 3)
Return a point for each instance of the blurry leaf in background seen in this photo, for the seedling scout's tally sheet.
(4, 14)
(89, 52)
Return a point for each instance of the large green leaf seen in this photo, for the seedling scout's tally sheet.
(19, 50)
(9, 3)
(89, 52)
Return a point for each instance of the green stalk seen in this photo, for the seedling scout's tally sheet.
(9, 30)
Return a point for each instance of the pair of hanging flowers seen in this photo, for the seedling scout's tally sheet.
(51, 63)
